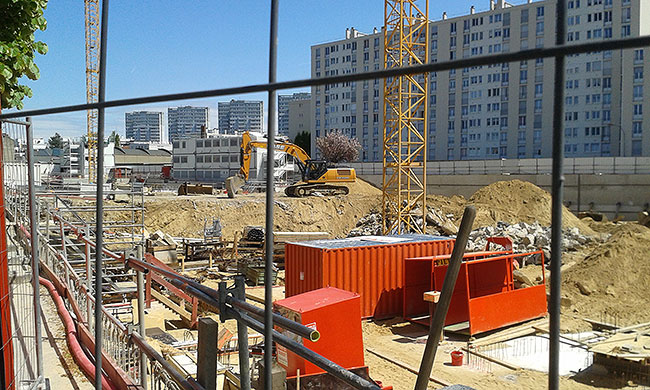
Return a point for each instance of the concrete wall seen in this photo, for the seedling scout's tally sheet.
(605, 191)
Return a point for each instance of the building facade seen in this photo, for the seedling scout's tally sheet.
(217, 158)
(144, 126)
(504, 110)
(237, 116)
(186, 122)
(283, 110)
(299, 118)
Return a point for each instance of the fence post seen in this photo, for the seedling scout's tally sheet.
(242, 336)
(33, 231)
(142, 327)
(207, 358)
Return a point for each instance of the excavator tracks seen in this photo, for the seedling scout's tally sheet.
(302, 190)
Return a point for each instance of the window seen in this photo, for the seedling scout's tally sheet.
(638, 73)
(637, 92)
(540, 12)
(523, 76)
(540, 28)
(538, 90)
(452, 28)
(638, 55)
(638, 109)
(625, 15)
(522, 121)
(637, 129)
(625, 31)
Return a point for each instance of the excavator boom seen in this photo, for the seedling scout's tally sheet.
(316, 175)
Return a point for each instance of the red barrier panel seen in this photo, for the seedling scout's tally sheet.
(6, 346)
(484, 296)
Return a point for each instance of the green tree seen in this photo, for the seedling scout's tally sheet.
(55, 141)
(20, 19)
(303, 139)
(115, 138)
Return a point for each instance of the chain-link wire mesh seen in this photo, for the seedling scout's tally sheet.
(25, 337)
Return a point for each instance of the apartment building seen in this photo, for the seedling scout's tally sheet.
(283, 109)
(504, 110)
(144, 126)
(186, 122)
(237, 116)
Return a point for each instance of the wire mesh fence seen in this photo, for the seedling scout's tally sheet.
(22, 280)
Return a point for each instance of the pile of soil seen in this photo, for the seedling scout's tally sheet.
(516, 201)
(612, 283)
(185, 215)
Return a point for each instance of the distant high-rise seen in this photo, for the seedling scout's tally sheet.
(144, 126)
(237, 116)
(186, 122)
(283, 109)
(503, 110)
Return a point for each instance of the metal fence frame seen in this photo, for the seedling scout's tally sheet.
(558, 52)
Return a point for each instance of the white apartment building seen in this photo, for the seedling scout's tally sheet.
(144, 126)
(283, 110)
(186, 122)
(237, 116)
(504, 110)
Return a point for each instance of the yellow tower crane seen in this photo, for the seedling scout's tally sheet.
(406, 43)
(92, 82)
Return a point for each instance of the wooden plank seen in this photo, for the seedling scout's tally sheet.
(172, 305)
(405, 366)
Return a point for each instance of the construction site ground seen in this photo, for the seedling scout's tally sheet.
(606, 279)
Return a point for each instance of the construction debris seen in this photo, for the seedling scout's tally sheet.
(162, 246)
(528, 237)
(644, 218)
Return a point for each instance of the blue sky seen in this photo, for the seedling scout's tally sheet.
(166, 46)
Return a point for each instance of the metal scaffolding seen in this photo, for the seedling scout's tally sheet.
(406, 43)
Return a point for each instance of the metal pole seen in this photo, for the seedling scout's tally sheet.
(438, 320)
(557, 197)
(242, 339)
(270, 159)
(99, 229)
(33, 226)
(141, 324)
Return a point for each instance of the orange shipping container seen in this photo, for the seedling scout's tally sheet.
(371, 266)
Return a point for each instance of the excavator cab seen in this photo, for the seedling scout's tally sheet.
(314, 170)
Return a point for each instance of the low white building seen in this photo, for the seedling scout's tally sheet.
(214, 159)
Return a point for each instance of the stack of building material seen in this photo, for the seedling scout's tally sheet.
(162, 246)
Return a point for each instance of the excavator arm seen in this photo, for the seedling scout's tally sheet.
(248, 145)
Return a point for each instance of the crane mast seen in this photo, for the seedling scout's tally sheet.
(406, 43)
(92, 82)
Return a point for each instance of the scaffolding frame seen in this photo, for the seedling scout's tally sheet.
(406, 43)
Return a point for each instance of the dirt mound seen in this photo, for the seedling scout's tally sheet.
(516, 201)
(185, 215)
(613, 281)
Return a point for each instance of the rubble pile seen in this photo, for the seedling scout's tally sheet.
(369, 225)
(527, 237)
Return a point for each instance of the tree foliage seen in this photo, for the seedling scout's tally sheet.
(20, 19)
(114, 138)
(303, 139)
(55, 141)
(336, 147)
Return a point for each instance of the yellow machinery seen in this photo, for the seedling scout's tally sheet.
(92, 81)
(406, 43)
(316, 175)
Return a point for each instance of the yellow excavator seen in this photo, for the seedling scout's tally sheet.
(317, 175)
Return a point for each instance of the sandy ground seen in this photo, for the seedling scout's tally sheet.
(59, 366)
